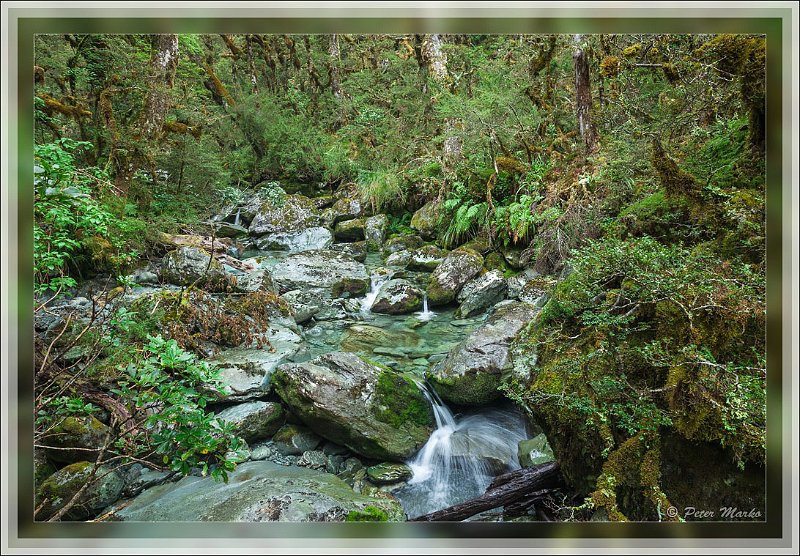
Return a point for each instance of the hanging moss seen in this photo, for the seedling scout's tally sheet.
(610, 66)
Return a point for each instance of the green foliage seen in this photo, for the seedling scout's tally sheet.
(381, 189)
(170, 379)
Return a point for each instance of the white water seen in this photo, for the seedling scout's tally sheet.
(375, 282)
(461, 457)
(236, 220)
(425, 314)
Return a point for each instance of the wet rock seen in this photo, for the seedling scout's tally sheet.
(458, 268)
(426, 220)
(373, 411)
(347, 208)
(400, 242)
(399, 259)
(534, 293)
(329, 270)
(144, 276)
(480, 293)
(308, 239)
(254, 420)
(364, 338)
(388, 473)
(397, 297)
(257, 281)
(375, 231)
(426, 258)
(226, 229)
(305, 303)
(256, 491)
(73, 437)
(138, 478)
(474, 369)
(356, 249)
(314, 459)
(535, 451)
(58, 489)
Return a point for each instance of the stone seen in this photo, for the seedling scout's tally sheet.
(347, 208)
(389, 473)
(257, 281)
(307, 239)
(356, 249)
(400, 242)
(474, 369)
(375, 228)
(426, 220)
(349, 230)
(458, 268)
(397, 297)
(480, 293)
(189, 265)
(226, 229)
(334, 272)
(256, 491)
(314, 459)
(138, 478)
(58, 489)
(365, 337)
(374, 411)
(293, 440)
(75, 439)
(426, 258)
(399, 259)
(254, 420)
(535, 451)
(295, 213)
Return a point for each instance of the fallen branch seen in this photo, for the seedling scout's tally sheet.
(504, 490)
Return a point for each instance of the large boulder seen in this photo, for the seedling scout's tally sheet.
(400, 242)
(346, 208)
(374, 411)
(426, 258)
(365, 338)
(245, 371)
(472, 371)
(375, 231)
(75, 439)
(257, 281)
(349, 231)
(188, 265)
(307, 239)
(226, 229)
(426, 220)
(305, 304)
(55, 492)
(481, 293)
(256, 491)
(397, 297)
(294, 440)
(254, 420)
(458, 268)
(332, 271)
(356, 249)
(294, 214)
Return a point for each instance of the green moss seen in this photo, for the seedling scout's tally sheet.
(400, 401)
(369, 513)
(349, 287)
(479, 389)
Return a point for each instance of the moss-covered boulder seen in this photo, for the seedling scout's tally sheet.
(258, 491)
(480, 293)
(105, 487)
(193, 265)
(401, 242)
(426, 220)
(255, 420)
(535, 451)
(294, 214)
(350, 230)
(389, 473)
(458, 268)
(294, 440)
(425, 258)
(397, 297)
(75, 439)
(374, 411)
(295, 241)
(375, 228)
(355, 249)
(257, 281)
(473, 370)
(335, 272)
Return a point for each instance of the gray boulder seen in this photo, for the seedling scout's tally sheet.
(256, 491)
(375, 231)
(472, 371)
(349, 231)
(293, 440)
(254, 420)
(307, 239)
(535, 451)
(400, 242)
(397, 297)
(374, 411)
(294, 214)
(257, 281)
(356, 249)
(335, 272)
(458, 268)
(426, 220)
(58, 489)
(481, 293)
(426, 258)
(226, 229)
(188, 265)
(75, 439)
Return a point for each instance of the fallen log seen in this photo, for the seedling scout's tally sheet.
(504, 490)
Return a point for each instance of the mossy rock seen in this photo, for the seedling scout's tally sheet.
(389, 473)
(350, 231)
(400, 242)
(458, 268)
(426, 220)
(56, 491)
(254, 420)
(75, 438)
(657, 216)
(349, 288)
(295, 440)
(192, 265)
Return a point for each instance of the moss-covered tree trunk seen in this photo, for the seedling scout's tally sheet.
(163, 64)
(583, 96)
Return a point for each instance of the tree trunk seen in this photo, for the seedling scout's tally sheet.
(519, 485)
(583, 97)
(163, 64)
(333, 69)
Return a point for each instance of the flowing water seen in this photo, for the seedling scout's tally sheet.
(376, 280)
(238, 215)
(425, 314)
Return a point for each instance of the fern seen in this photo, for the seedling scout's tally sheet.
(467, 221)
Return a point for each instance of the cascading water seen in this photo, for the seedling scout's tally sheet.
(425, 314)
(461, 457)
(376, 280)
(238, 214)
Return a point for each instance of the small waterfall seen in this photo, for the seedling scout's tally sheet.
(238, 213)
(376, 280)
(425, 314)
(461, 457)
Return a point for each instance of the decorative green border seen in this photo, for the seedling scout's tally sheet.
(400, 535)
